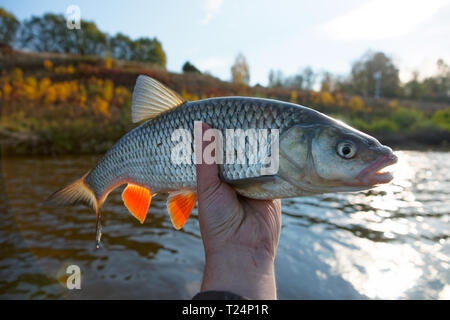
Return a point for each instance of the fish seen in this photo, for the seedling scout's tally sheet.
(312, 152)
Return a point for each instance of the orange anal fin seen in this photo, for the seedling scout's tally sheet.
(180, 205)
(137, 200)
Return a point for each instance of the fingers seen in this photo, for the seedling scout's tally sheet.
(207, 174)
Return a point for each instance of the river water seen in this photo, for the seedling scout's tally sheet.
(391, 242)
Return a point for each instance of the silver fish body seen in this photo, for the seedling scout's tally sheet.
(314, 153)
(143, 156)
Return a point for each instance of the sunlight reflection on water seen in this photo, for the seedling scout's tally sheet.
(399, 241)
(390, 242)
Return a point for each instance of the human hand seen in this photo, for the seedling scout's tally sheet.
(240, 237)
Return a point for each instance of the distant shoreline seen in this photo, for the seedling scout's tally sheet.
(21, 144)
(72, 104)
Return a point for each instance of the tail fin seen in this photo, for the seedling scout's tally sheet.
(75, 193)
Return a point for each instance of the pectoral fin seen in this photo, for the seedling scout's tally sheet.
(137, 200)
(180, 204)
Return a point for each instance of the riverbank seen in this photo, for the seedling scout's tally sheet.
(72, 104)
(94, 137)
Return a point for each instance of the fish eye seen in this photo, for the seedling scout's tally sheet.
(346, 149)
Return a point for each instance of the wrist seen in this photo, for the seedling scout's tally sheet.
(249, 273)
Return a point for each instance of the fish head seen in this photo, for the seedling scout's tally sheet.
(333, 157)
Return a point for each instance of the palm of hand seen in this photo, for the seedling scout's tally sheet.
(227, 219)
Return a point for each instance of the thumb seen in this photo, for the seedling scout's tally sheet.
(207, 174)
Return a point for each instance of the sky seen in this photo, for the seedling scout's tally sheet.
(282, 35)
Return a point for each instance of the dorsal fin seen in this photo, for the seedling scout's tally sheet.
(151, 98)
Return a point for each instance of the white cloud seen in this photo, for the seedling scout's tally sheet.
(211, 7)
(213, 63)
(381, 19)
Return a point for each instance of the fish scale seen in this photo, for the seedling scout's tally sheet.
(154, 168)
(317, 154)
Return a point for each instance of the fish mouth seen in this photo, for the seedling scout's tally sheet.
(373, 175)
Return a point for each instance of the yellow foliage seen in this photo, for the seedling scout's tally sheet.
(7, 90)
(120, 93)
(108, 90)
(82, 101)
(101, 106)
(339, 100)
(17, 77)
(67, 70)
(294, 96)
(314, 97)
(62, 91)
(50, 95)
(31, 81)
(60, 69)
(356, 103)
(326, 98)
(44, 83)
(325, 86)
(70, 69)
(30, 88)
(188, 96)
(74, 88)
(108, 62)
(393, 104)
(100, 94)
(48, 65)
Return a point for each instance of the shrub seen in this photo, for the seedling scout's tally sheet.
(360, 124)
(442, 119)
(326, 98)
(294, 96)
(406, 118)
(356, 103)
(383, 126)
(48, 65)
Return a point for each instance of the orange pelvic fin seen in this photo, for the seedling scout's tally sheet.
(180, 204)
(137, 200)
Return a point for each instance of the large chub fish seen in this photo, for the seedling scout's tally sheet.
(316, 154)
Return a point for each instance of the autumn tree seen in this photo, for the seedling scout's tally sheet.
(87, 40)
(44, 34)
(328, 82)
(276, 79)
(240, 72)
(190, 68)
(414, 88)
(49, 33)
(121, 47)
(438, 86)
(294, 82)
(142, 49)
(303, 80)
(362, 79)
(8, 27)
(309, 78)
(148, 50)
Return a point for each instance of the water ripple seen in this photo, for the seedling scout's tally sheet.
(389, 242)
